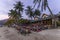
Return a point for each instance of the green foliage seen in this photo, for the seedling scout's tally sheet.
(37, 12)
(19, 8)
(9, 22)
(22, 21)
(29, 12)
(15, 14)
(43, 4)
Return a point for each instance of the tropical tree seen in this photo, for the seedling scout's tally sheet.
(43, 4)
(37, 12)
(29, 12)
(13, 14)
(17, 12)
(22, 21)
(19, 8)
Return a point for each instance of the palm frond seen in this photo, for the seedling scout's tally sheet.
(37, 12)
(45, 4)
(39, 1)
(29, 11)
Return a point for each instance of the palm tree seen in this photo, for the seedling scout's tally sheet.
(19, 8)
(43, 4)
(37, 12)
(13, 14)
(29, 12)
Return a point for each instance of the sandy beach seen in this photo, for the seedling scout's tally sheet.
(12, 34)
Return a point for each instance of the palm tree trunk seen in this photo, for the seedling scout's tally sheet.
(50, 10)
(19, 14)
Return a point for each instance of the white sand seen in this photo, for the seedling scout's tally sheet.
(12, 34)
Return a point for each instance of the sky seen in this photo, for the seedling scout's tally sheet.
(6, 5)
